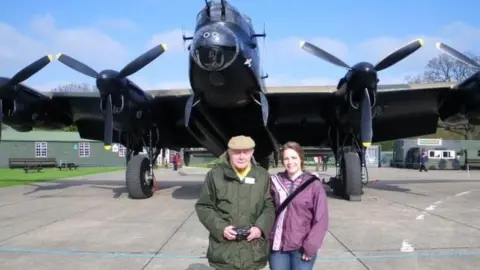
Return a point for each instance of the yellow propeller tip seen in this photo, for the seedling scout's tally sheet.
(107, 147)
(421, 41)
(302, 43)
(50, 57)
(164, 46)
(58, 55)
(366, 144)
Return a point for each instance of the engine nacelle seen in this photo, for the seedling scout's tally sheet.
(462, 104)
(17, 115)
(354, 98)
(118, 104)
(23, 116)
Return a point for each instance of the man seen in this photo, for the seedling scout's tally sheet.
(236, 195)
(325, 163)
(422, 162)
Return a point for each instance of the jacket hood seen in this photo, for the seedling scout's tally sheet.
(224, 164)
(225, 159)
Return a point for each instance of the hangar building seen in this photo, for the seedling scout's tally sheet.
(441, 154)
(64, 146)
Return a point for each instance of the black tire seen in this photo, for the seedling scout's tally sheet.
(352, 176)
(186, 159)
(137, 186)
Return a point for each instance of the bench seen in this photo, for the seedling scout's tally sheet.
(68, 165)
(28, 164)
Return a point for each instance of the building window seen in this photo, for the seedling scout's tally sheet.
(41, 149)
(83, 149)
(122, 150)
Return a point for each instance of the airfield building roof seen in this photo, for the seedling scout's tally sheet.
(9, 134)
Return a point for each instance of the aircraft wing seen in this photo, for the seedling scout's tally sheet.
(401, 111)
(83, 109)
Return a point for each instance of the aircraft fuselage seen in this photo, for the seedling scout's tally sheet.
(224, 62)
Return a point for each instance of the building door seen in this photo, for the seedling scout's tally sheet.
(372, 156)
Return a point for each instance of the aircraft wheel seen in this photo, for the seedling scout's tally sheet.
(186, 159)
(351, 177)
(136, 178)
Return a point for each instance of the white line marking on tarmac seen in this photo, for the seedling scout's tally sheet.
(462, 193)
(406, 247)
(422, 216)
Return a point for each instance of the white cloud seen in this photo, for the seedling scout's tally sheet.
(457, 34)
(119, 24)
(99, 50)
(172, 38)
(87, 44)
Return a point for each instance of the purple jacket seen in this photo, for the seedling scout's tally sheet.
(304, 222)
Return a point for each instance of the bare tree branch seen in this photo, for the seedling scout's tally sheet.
(73, 87)
(444, 68)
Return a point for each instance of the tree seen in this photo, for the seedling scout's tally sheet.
(75, 87)
(445, 68)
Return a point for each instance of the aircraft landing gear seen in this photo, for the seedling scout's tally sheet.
(348, 183)
(140, 181)
(264, 162)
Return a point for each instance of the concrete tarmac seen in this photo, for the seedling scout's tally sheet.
(406, 220)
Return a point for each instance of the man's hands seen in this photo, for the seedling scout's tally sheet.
(230, 234)
(306, 258)
(255, 233)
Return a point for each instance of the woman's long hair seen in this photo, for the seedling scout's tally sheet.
(297, 148)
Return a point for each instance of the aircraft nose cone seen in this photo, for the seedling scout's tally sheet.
(214, 47)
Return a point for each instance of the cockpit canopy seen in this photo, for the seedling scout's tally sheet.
(232, 15)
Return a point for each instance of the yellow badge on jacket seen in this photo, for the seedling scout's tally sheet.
(249, 180)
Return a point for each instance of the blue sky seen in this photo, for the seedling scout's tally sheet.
(108, 34)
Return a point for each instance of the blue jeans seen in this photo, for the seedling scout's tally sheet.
(290, 260)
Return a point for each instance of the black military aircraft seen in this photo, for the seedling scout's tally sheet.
(229, 98)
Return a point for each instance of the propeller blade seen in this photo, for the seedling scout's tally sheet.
(264, 103)
(1, 118)
(188, 109)
(322, 54)
(143, 60)
(366, 131)
(31, 69)
(457, 55)
(77, 65)
(399, 54)
(108, 129)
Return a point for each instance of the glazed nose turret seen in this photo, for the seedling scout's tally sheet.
(214, 47)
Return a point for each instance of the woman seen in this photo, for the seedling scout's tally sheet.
(300, 228)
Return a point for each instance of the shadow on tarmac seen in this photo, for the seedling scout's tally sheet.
(188, 190)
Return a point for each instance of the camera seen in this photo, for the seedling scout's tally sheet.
(241, 233)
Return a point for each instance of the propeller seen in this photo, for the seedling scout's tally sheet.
(457, 55)
(6, 85)
(386, 62)
(366, 132)
(110, 82)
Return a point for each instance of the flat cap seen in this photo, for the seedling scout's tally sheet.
(241, 142)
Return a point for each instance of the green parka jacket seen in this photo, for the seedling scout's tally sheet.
(226, 200)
